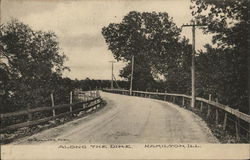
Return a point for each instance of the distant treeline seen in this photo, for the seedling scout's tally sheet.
(92, 84)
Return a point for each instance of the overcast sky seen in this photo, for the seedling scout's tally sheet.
(78, 24)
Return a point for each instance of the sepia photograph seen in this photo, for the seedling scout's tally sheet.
(124, 79)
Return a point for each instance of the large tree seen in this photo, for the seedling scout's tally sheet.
(228, 20)
(29, 61)
(153, 38)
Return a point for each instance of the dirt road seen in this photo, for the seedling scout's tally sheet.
(128, 119)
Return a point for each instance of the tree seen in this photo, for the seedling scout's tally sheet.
(153, 38)
(142, 78)
(228, 20)
(177, 72)
(28, 61)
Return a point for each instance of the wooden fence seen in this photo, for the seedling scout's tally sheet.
(220, 114)
(89, 100)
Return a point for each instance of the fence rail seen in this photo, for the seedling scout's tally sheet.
(92, 101)
(203, 105)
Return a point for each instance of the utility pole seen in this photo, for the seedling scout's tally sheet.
(132, 72)
(112, 74)
(193, 25)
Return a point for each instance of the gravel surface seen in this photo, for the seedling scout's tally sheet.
(128, 119)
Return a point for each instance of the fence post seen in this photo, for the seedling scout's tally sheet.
(201, 107)
(96, 101)
(237, 129)
(52, 104)
(208, 107)
(98, 93)
(92, 93)
(29, 114)
(87, 97)
(70, 101)
(216, 113)
(165, 96)
(183, 101)
(173, 99)
(225, 122)
(95, 92)
(99, 100)
(83, 105)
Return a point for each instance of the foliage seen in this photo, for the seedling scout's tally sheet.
(228, 20)
(29, 61)
(91, 84)
(153, 38)
(142, 77)
(140, 32)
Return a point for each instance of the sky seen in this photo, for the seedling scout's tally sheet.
(78, 24)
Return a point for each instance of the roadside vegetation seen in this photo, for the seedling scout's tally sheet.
(163, 57)
(32, 62)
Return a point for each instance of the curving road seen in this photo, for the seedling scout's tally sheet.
(128, 119)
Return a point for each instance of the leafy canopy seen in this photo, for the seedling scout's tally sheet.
(153, 38)
(29, 60)
(227, 74)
